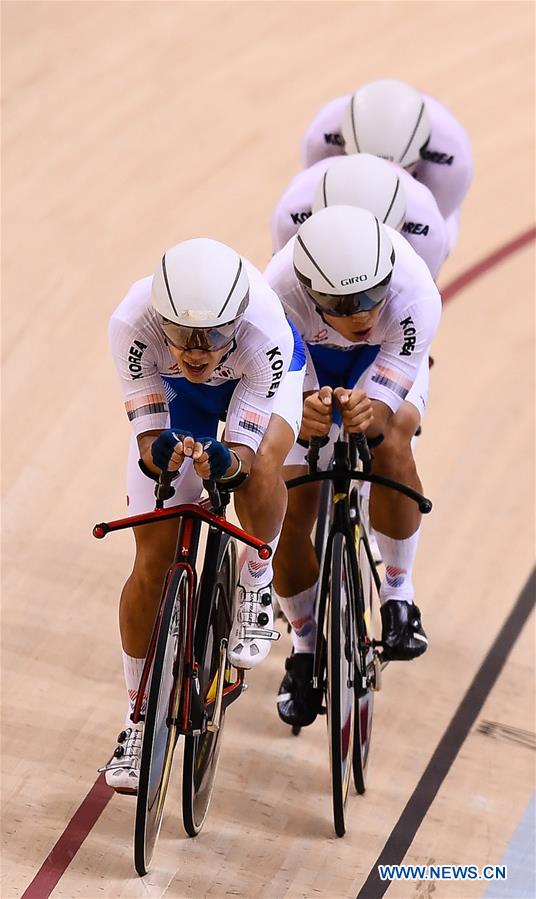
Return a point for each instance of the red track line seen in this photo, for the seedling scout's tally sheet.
(99, 795)
(61, 856)
(485, 264)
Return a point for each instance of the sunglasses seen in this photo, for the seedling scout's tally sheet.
(208, 339)
(350, 303)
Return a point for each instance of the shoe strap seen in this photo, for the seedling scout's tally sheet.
(257, 633)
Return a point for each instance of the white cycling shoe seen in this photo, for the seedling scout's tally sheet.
(123, 770)
(252, 632)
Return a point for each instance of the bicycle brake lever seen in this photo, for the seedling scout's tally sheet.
(214, 494)
(163, 489)
(313, 453)
(358, 443)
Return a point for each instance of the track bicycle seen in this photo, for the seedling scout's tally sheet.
(348, 660)
(189, 679)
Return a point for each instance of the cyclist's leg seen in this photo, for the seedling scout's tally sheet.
(155, 546)
(260, 504)
(396, 521)
(296, 585)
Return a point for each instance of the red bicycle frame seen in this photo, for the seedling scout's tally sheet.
(185, 557)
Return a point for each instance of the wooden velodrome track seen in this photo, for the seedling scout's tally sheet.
(126, 128)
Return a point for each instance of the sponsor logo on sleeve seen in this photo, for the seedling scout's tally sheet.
(135, 354)
(415, 228)
(276, 363)
(334, 139)
(299, 217)
(409, 332)
(438, 158)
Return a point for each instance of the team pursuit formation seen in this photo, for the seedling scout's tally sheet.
(299, 393)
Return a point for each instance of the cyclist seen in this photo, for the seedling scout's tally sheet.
(367, 309)
(389, 118)
(205, 338)
(383, 187)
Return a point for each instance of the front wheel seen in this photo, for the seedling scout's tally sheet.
(160, 730)
(201, 753)
(340, 677)
(364, 696)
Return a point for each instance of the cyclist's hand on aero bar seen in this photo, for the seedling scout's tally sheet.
(211, 458)
(356, 408)
(317, 414)
(169, 449)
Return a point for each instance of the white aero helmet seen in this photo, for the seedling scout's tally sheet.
(200, 290)
(389, 119)
(344, 258)
(366, 181)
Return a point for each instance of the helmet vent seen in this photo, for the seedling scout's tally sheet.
(378, 245)
(324, 179)
(386, 216)
(419, 117)
(164, 272)
(354, 129)
(306, 251)
(220, 313)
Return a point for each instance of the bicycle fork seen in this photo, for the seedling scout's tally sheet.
(214, 724)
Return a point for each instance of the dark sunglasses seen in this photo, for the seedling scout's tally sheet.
(350, 303)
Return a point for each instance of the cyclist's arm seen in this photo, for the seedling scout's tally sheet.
(323, 136)
(447, 167)
(390, 377)
(145, 442)
(143, 389)
(264, 366)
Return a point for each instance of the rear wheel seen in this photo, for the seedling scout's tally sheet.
(340, 674)
(160, 731)
(213, 625)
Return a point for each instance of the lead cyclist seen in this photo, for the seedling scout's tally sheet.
(204, 338)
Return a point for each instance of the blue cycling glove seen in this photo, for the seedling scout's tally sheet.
(165, 443)
(219, 456)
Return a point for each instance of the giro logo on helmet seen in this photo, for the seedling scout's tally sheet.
(353, 280)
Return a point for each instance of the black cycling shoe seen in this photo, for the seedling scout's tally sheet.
(403, 636)
(298, 703)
